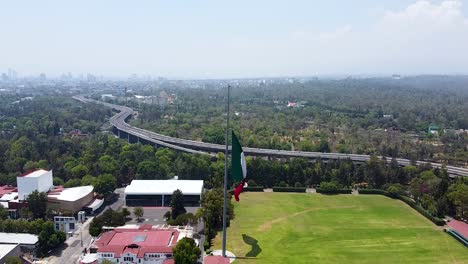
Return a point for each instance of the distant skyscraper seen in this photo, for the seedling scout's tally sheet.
(42, 77)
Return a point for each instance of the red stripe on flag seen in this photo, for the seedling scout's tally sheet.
(239, 189)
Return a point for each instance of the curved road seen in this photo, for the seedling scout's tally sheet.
(190, 146)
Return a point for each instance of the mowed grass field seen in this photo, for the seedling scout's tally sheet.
(315, 228)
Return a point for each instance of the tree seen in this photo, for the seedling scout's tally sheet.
(105, 184)
(108, 218)
(458, 195)
(212, 211)
(13, 260)
(58, 181)
(147, 170)
(107, 164)
(79, 171)
(177, 204)
(72, 183)
(3, 213)
(88, 180)
(138, 212)
(125, 212)
(37, 204)
(186, 251)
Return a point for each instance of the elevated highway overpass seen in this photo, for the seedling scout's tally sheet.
(134, 134)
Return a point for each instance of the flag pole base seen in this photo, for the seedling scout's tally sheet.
(229, 254)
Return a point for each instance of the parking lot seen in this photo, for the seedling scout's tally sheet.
(155, 215)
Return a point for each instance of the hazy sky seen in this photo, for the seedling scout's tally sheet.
(210, 39)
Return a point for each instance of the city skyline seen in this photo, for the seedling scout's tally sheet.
(214, 40)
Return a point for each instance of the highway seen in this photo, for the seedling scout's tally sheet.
(190, 146)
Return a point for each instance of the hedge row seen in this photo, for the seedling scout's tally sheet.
(373, 191)
(289, 189)
(254, 189)
(436, 220)
(337, 191)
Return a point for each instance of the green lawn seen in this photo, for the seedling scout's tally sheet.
(314, 228)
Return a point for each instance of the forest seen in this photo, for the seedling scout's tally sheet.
(378, 116)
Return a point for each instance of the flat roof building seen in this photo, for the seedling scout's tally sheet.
(26, 242)
(70, 199)
(9, 250)
(159, 192)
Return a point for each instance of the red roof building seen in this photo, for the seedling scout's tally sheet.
(136, 245)
(6, 189)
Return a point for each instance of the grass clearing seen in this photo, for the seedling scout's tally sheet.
(314, 228)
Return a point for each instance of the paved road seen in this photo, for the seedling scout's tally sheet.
(118, 121)
(74, 246)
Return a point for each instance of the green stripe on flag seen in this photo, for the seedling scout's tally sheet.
(237, 157)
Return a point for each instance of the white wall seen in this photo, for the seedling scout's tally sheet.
(26, 185)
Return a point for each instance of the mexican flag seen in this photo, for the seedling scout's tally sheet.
(238, 166)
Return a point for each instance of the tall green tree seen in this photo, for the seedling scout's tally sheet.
(138, 212)
(177, 204)
(212, 211)
(37, 204)
(105, 184)
(186, 251)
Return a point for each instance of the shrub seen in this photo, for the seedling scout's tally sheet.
(253, 189)
(373, 191)
(395, 189)
(182, 220)
(328, 187)
(251, 183)
(283, 184)
(206, 244)
(289, 189)
(337, 191)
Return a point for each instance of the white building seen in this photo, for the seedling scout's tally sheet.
(9, 250)
(159, 192)
(65, 223)
(27, 242)
(39, 180)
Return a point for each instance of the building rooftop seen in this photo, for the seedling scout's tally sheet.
(138, 241)
(70, 194)
(16, 238)
(6, 189)
(34, 174)
(166, 187)
(9, 196)
(5, 249)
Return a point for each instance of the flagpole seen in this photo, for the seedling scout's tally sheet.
(226, 154)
